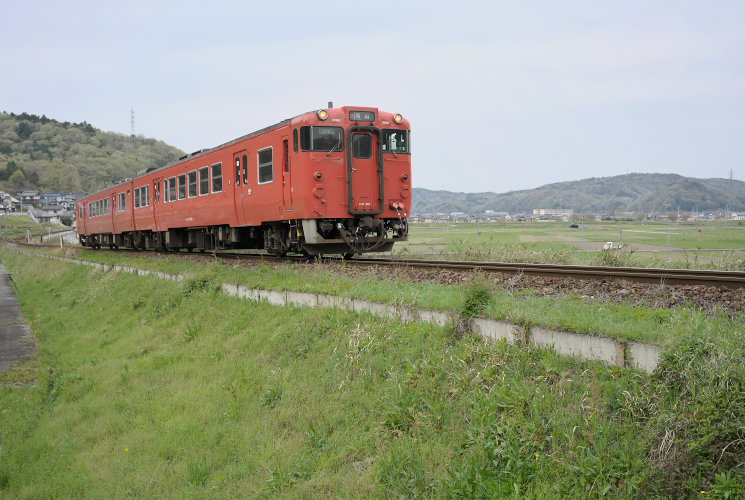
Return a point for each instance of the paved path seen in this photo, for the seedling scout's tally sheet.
(16, 339)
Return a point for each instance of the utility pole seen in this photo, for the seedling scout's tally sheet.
(132, 135)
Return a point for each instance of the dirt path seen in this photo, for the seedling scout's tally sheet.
(16, 339)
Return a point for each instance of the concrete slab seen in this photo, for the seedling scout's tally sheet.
(406, 314)
(301, 299)
(572, 344)
(248, 293)
(644, 356)
(273, 297)
(16, 340)
(437, 317)
(230, 289)
(495, 330)
(374, 308)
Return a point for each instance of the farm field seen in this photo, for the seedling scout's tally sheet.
(705, 245)
(182, 391)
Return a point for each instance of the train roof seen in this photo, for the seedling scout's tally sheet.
(204, 151)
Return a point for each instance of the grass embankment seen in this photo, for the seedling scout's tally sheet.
(151, 388)
(15, 226)
(572, 313)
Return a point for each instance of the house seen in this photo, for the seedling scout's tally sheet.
(8, 203)
(29, 198)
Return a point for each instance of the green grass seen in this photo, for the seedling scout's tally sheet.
(571, 313)
(159, 389)
(14, 226)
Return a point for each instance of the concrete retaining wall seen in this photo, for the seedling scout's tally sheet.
(613, 352)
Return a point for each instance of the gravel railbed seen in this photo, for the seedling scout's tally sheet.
(592, 290)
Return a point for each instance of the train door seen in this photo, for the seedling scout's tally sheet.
(364, 172)
(286, 175)
(82, 213)
(240, 190)
(113, 210)
(156, 207)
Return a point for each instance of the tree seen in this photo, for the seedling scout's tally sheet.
(61, 177)
(17, 180)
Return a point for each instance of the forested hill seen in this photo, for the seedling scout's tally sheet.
(630, 192)
(37, 152)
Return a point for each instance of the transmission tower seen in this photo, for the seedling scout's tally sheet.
(132, 135)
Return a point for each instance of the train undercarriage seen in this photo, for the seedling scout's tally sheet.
(308, 236)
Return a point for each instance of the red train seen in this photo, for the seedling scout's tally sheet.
(337, 180)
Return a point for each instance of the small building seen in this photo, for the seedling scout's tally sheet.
(8, 203)
(553, 212)
(29, 198)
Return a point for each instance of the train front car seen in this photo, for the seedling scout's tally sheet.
(355, 176)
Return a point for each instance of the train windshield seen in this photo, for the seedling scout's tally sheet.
(322, 138)
(396, 141)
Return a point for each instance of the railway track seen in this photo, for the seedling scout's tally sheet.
(713, 278)
(721, 279)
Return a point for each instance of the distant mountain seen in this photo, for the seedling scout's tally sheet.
(630, 192)
(37, 152)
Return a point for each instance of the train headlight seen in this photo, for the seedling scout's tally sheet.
(323, 114)
(398, 118)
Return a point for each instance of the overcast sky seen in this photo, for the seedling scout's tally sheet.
(501, 95)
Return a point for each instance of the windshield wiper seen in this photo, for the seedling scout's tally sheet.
(334, 148)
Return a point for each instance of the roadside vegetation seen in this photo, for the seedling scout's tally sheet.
(152, 388)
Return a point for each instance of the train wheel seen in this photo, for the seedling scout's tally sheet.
(347, 256)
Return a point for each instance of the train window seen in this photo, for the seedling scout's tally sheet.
(396, 141)
(182, 186)
(146, 197)
(192, 184)
(266, 165)
(216, 177)
(321, 138)
(166, 182)
(245, 169)
(106, 210)
(237, 171)
(294, 140)
(204, 181)
(122, 202)
(172, 189)
(137, 197)
(362, 146)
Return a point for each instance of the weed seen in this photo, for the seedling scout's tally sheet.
(617, 257)
(272, 396)
(197, 472)
(478, 297)
(402, 473)
(198, 284)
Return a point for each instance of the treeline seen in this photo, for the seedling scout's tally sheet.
(41, 153)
